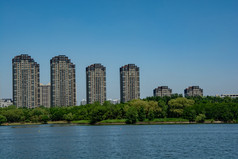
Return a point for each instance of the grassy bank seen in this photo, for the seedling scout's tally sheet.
(170, 120)
(121, 122)
(35, 123)
(81, 122)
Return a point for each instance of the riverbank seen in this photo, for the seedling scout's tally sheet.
(121, 122)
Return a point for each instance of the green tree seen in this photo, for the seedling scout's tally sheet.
(3, 119)
(189, 113)
(153, 107)
(37, 112)
(57, 113)
(14, 115)
(141, 114)
(147, 105)
(151, 115)
(164, 107)
(177, 105)
(97, 114)
(131, 115)
(35, 119)
(83, 113)
(44, 119)
(69, 117)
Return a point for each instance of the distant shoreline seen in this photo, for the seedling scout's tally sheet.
(120, 123)
(160, 123)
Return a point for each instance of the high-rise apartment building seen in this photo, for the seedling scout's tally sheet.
(193, 91)
(162, 91)
(129, 82)
(96, 83)
(25, 80)
(45, 95)
(63, 84)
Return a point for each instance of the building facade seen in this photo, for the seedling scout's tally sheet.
(83, 102)
(162, 91)
(25, 80)
(229, 95)
(63, 84)
(114, 101)
(193, 91)
(45, 95)
(5, 103)
(129, 82)
(96, 83)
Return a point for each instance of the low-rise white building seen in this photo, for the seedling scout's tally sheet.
(83, 102)
(114, 101)
(229, 95)
(5, 103)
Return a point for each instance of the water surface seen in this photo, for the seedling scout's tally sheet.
(65, 141)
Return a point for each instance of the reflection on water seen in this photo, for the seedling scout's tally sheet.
(25, 126)
(45, 125)
(120, 141)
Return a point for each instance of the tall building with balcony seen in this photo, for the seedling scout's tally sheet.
(193, 91)
(63, 84)
(96, 83)
(162, 91)
(25, 81)
(45, 95)
(129, 82)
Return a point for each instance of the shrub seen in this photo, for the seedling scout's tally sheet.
(200, 118)
(44, 119)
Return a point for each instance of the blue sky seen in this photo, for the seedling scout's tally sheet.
(175, 43)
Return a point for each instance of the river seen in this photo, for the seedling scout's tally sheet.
(66, 141)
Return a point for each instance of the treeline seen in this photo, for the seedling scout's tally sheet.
(196, 109)
(200, 108)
